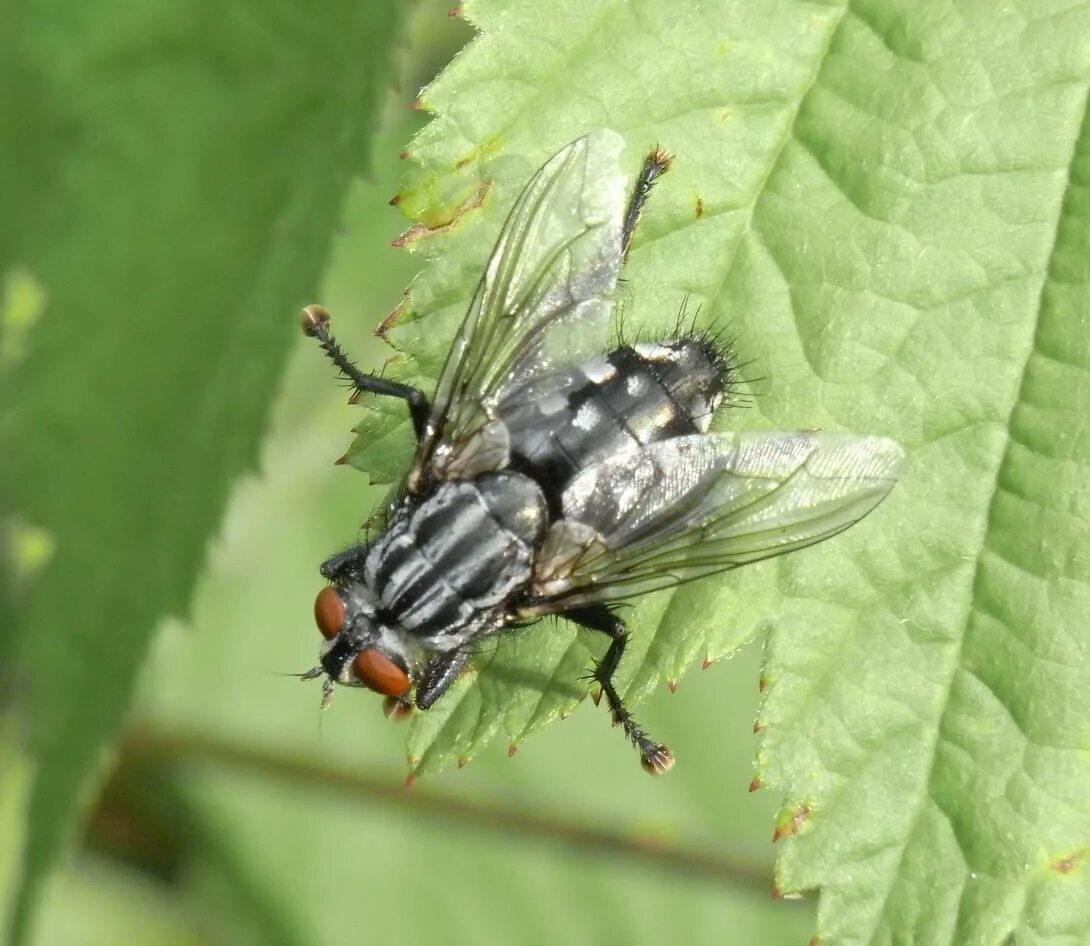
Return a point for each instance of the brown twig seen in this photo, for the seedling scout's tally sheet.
(159, 746)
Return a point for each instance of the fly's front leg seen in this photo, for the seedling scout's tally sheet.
(436, 678)
(346, 565)
(654, 756)
(439, 674)
(316, 325)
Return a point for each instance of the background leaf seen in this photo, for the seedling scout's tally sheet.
(172, 175)
(887, 202)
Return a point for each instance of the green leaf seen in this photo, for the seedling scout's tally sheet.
(173, 174)
(887, 203)
(324, 820)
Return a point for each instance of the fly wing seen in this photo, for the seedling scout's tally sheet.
(542, 304)
(679, 509)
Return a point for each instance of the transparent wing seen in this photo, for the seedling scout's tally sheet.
(542, 304)
(679, 509)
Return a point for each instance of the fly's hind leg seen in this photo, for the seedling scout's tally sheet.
(316, 325)
(655, 165)
(654, 756)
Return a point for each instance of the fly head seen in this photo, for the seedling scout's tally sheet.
(358, 650)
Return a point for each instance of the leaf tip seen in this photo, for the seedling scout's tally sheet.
(778, 893)
(413, 233)
(791, 821)
(671, 685)
(393, 318)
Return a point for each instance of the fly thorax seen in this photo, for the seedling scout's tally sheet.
(442, 569)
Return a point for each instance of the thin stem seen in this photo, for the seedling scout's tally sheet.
(150, 744)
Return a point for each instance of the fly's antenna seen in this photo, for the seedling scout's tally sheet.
(305, 675)
(311, 674)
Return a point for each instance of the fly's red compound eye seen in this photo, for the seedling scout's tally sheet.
(379, 673)
(329, 612)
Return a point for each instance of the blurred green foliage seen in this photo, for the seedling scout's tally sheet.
(172, 176)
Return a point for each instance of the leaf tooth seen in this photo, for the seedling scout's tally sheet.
(791, 820)
(778, 893)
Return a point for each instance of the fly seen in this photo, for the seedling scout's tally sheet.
(553, 476)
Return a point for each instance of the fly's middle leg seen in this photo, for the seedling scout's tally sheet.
(316, 325)
(654, 756)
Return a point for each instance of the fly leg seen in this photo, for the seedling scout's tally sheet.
(316, 325)
(346, 565)
(436, 678)
(438, 675)
(655, 165)
(654, 756)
